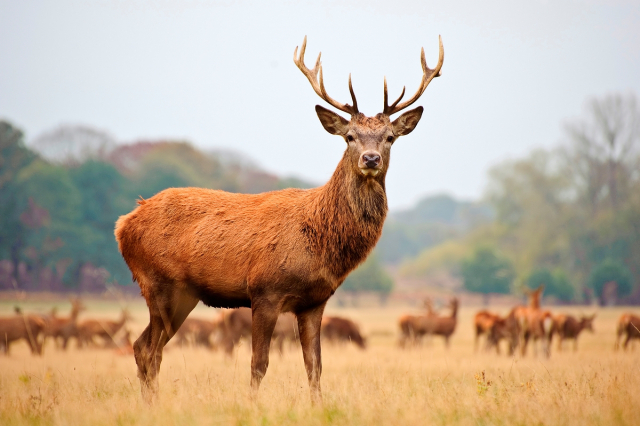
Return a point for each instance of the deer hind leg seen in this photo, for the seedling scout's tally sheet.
(264, 316)
(167, 312)
(309, 326)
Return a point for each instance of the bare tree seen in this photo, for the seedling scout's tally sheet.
(603, 149)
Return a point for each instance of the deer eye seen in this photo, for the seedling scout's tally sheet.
(349, 138)
(389, 138)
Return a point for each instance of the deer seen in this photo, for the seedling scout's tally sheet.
(413, 327)
(446, 326)
(280, 251)
(628, 324)
(341, 330)
(105, 329)
(569, 327)
(483, 322)
(197, 332)
(535, 323)
(21, 326)
(64, 328)
(507, 328)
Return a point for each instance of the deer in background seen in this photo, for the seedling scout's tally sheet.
(64, 328)
(21, 326)
(89, 329)
(413, 327)
(342, 330)
(568, 327)
(483, 322)
(280, 251)
(534, 323)
(628, 324)
(446, 326)
(197, 332)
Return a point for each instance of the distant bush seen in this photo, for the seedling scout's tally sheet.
(556, 283)
(486, 271)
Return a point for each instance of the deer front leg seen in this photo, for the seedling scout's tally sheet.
(263, 320)
(309, 326)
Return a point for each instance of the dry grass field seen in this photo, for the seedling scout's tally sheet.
(382, 385)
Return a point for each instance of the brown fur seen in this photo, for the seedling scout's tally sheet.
(507, 328)
(21, 326)
(338, 330)
(568, 327)
(628, 324)
(281, 251)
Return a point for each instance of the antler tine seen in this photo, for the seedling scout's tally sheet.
(428, 74)
(388, 108)
(318, 83)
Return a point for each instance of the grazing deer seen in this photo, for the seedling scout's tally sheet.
(340, 330)
(64, 328)
(197, 332)
(568, 327)
(628, 324)
(21, 326)
(413, 327)
(106, 330)
(281, 251)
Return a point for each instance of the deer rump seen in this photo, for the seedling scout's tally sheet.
(221, 247)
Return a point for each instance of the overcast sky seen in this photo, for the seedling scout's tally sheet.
(220, 74)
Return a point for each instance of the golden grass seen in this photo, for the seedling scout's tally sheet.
(383, 385)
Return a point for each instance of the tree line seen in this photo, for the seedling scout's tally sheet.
(566, 217)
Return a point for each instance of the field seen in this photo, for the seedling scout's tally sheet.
(382, 385)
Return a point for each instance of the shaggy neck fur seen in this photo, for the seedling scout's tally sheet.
(346, 218)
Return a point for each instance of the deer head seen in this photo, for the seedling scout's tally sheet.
(587, 322)
(369, 139)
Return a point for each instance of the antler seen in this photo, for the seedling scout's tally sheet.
(312, 76)
(428, 75)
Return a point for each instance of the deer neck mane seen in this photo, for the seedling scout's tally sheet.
(347, 216)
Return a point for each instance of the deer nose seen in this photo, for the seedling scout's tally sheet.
(371, 160)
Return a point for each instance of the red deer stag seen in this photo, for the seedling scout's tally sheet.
(64, 328)
(281, 251)
(628, 324)
(340, 330)
(21, 326)
(568, 327)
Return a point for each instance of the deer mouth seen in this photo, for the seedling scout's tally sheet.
(369, 171)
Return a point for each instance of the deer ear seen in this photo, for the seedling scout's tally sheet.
(332, 122)
(408, 121)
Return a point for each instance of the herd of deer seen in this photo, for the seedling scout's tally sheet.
(225, 331)
(525, 323)
(35, 329)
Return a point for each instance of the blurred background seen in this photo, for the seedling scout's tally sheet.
(524, 170)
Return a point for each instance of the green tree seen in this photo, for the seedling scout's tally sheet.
(369, 277)
(486, 271)
(14, 156)
(610, 280)
(555, 283)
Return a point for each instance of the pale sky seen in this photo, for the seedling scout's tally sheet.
(220, 74)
